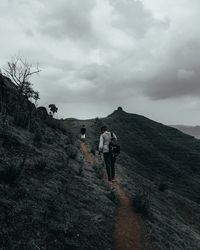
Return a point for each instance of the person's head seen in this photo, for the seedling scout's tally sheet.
(83, 126)
(103, 129)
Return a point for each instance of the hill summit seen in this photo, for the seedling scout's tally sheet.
(159, 168)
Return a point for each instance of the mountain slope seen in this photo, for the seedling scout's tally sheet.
(49, 197)
(162, 156)
(159, 164)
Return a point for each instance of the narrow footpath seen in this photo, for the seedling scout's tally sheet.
(128, 229)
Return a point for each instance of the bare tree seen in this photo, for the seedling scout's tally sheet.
(20, 72)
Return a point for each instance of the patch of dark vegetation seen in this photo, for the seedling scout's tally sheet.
(93, 151)
(21, 118)
(9, 140)
(71, 151)
(10, 171)
(56, 124)
(49, 140)
(162, 187)
(80, 171)
(38, 137)
(98, 122)
(112, 195)
(41, 164)
(141, 202)
(99, 170)
(47, 203)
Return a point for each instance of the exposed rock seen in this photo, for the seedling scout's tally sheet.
(42, 113)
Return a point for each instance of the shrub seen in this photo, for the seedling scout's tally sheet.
(9, 140)
(21, 119)
(92, 151)
(80, 171)
(49, 140)
(11, 172)
(41, 164)
(56, 124)
(72, 151)
(99, 171)
(37, 137)
(141, 203)
(112, 195)
(4, 121)
(162, 186)
(33, 126)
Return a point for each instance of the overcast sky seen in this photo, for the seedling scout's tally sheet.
(96, 55)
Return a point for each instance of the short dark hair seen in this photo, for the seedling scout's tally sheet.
(103, 128)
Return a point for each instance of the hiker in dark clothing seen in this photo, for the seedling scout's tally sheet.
(83, 132)
(109, 158)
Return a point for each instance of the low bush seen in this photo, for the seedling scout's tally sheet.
(9, 140)
(21, 119)
(141, 202)
(41, 164)
(112, 195)
(10, 172)
(37, 137)
(80, 171)
(92, 150)
(56, 124)
(72, 151)
(99, 171)
(162, 187)
(34, 125)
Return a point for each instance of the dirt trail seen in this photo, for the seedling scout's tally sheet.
(88, 156)
(128, 230)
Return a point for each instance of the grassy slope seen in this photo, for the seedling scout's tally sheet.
(153, 155)
(56, 202)
(49, 197)
(156, 154)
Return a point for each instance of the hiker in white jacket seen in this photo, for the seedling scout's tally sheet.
(109, 159)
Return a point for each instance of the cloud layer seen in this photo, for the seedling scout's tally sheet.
(101, 53)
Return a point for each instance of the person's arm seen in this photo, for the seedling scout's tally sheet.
(101, 144)
(114, 135)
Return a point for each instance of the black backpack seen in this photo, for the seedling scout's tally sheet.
(114, 147)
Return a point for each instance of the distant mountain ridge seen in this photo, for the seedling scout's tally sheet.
(190, 130)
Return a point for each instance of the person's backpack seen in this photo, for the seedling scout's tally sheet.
(83, 131)
(114, 147)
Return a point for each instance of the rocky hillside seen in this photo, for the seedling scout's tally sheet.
(50, 198)
(190, 130)
(159, 168)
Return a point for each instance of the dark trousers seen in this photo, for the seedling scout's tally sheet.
(109, 160)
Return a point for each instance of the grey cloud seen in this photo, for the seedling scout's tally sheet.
(67, 19)
(104, 52)
(167, 86)
(179, 76)
(29, 32)
(132, 17)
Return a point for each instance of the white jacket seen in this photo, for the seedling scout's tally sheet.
(105, 139)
